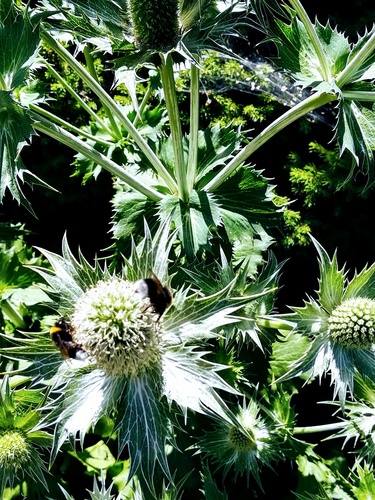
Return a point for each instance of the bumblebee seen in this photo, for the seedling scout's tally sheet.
(61, 336)
(160, 296)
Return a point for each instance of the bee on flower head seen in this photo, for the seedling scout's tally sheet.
(160, 296)
(61, 335)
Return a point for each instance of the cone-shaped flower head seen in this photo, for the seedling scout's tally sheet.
(340, 326)
(117, 328)
(352, 323)
(14, 449)
(20, 442)
(246, 443)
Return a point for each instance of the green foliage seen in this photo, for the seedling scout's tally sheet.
(166, 405)
(320, 57)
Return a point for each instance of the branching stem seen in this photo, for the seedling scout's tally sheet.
(293, 114)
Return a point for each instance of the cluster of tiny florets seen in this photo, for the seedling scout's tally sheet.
(14, 449)
(240, 441)
(352, 323)
(117, 328)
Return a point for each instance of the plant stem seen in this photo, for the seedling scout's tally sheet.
(293, 114)
(356, 64)
(60, 121)
(319, 428)
(194, 127)
(113, 108)
(359, 95)
(12, 314)
(269, 322)
(75, 143)
(167, 78)
(304, 18)
(142, 106)
(92, 71)
(77, 97)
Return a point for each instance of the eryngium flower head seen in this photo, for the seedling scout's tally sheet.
(246, 444)
(351, 324)
(21, 443)
(138, 364)
(117, 328)
(340, 325)
(14, 449)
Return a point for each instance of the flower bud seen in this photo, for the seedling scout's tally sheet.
(14, 449)
(240, 441)
(155, 24)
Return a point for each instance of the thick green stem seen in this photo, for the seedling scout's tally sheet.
(194, 127)
(12, 314)
(359, 95)
(113, 108)
(304, 18)
(350, 70)
(269, 322)
(293, 114)
(168, 82)
(319, 428)
(92, 71)
(73, 142)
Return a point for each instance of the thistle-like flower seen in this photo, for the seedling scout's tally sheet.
(137, 362)
(245, 444)
(117, 328)
(340, 325)
(21, 444)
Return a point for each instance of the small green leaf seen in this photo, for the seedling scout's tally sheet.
(332, 280)
(15, 127)
(211, 491)
(27, 421)
(248, 193)
(362, 284)
(367, 70)
(212, 28)
(286, 352)
(355, 132)
(19, 41)
(298, 53)
(97, 457)
(131, 209)
(96, 19)
(216, 146)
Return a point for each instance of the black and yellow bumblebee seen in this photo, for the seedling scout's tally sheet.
(160, 296)
(61, 335)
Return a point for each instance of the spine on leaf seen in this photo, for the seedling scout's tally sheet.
(155, 24)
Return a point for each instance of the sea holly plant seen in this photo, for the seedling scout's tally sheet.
(186, 173)
(156, 383)
(21, 441)
(140, 368)
(340, 326)
(322, 59)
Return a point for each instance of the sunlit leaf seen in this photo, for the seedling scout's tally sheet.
(194, 221)
(355, 132)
